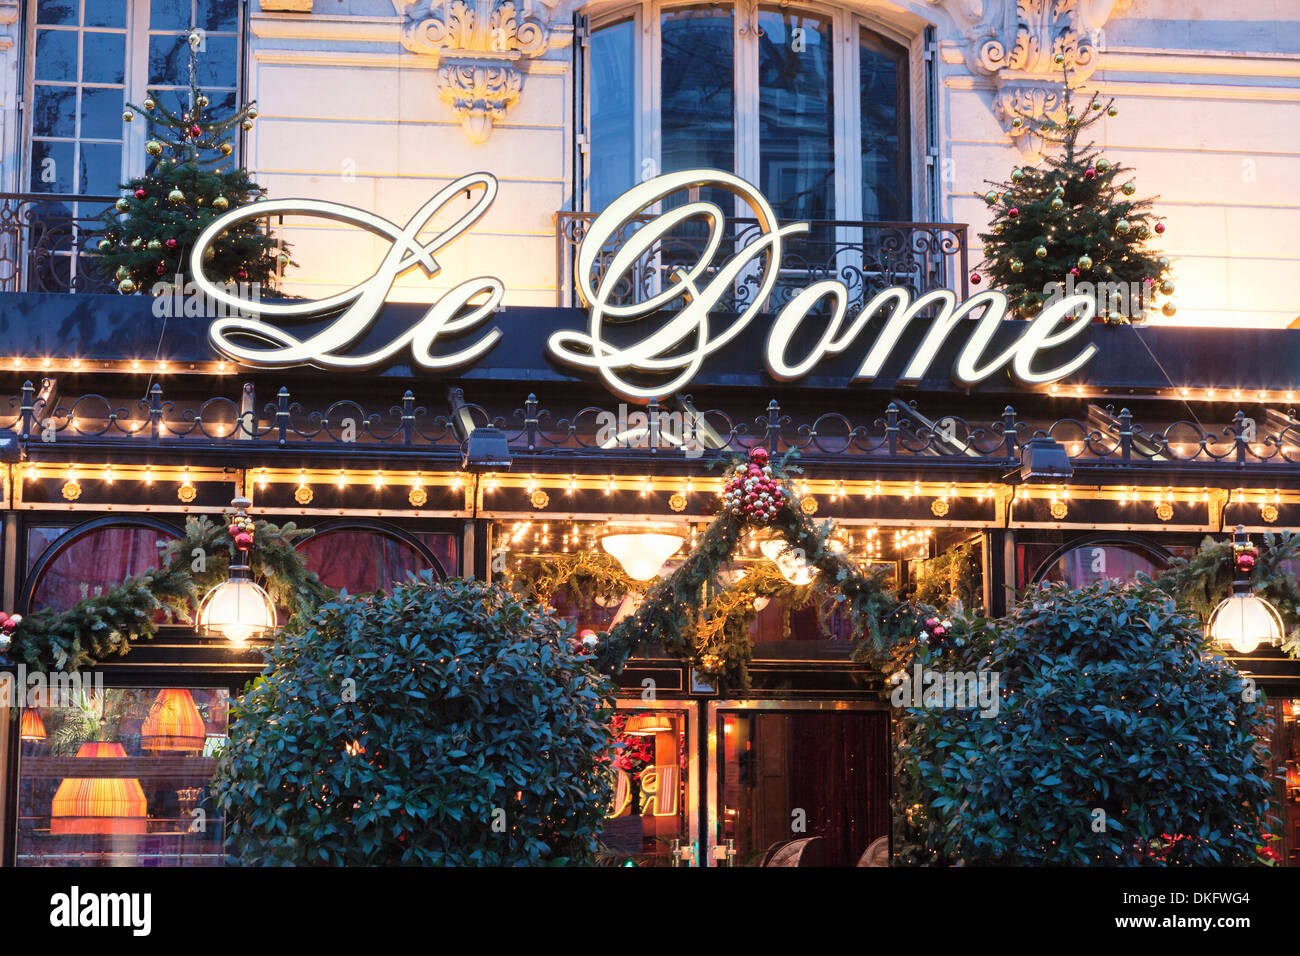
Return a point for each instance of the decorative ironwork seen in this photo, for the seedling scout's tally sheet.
(47, 243)
(866, 256)
(903, 433)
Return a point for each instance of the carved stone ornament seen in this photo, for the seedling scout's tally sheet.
(1016, 42)
(479, 45)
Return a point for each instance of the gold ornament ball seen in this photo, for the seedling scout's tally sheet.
(148, 104)
(1167, 287)
(990, 197)
(154, 245)
(1017, 123)
(1058, 59)
(1128, 189)
(136, 242)
(126, 286)
(122, 205)
(226, 149)
(998, 228)
(1085, 263)
(122, 272)
(1169, 308)
(220, 203)
(247, 124)
(1058, 203)
(209, 254)
(1103, 165)
(153, 147)
(252, 112)
(176, 196)
(1041, 252)
(127, 116)
(1163, 262)
(1123, 227)
(195, 38)
(201, 101)
(1017, 265)
(105, 245)
(1113, 111)
(1017, 175)
(1096, 104)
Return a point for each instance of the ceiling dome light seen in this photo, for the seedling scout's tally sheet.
(788, 560)
(1243, 621)
(642, 553)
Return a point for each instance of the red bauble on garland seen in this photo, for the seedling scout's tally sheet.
(752, 491)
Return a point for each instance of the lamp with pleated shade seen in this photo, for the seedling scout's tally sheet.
(99, 804)
(32, 727)
(646, 725)
(173, 724)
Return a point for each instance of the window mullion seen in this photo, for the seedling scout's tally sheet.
(848, 161)
(745, 26)
(137, 81)
(649, 141)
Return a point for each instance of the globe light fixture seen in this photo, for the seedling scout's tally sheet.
(1243, 621)
(642, 553)
(238, 608)
(788, 560)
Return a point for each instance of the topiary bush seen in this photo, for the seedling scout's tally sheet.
(1118, 741)
(445, 723)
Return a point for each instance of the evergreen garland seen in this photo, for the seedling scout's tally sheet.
(106, 625)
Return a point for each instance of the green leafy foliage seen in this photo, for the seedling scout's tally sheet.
(1074, 208)
(447, 723)
(1119, 741)
(953, 579)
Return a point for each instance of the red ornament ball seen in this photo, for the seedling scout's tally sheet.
(140, 194)
(195, 131)
(243, 541)
(1090, 173)
(1014, 212)
(170, 243)
(975, 278)
(1159, 228)
(162, 269)
(758, 454)
(1074, 270)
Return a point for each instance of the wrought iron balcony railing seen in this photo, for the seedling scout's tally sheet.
(866, 256)
(47, 243)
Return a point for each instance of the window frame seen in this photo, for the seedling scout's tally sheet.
(135, 85)
(846, 28)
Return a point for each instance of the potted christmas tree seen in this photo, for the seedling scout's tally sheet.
(190, 180)
(1072, 224)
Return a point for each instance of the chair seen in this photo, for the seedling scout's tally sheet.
(806, 851)
(876, 854)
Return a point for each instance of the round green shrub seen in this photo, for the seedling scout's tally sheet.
(1119, 740)
(445, 723)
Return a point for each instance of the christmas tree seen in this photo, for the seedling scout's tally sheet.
(150, 233)
(1071, 225)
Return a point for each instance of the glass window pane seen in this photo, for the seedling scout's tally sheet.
(103, 58)
(1089, 563)
(360, 560)
(649, 769)
(833, 767)
(697, 112)
(886, 179)
(56, 55)
(169, 58)
(796, 114)
(217, 66)
(218, 14)
(169, 14)
(54, 111)
(96, 560)
(53, 167)
(114, 777)
(57, 11)
(101, 169)
(613, 112)
(106, 13)
(101, 113)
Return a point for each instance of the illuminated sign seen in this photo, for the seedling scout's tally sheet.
(677, 326)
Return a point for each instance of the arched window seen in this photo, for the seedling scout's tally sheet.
(1092, 561)
(86, 561)
(365, 559)
(808, 103)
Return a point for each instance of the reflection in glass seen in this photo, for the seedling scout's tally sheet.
(886, 187)
(95, 560)
(119, 778)
(56, 55)
(648, 765)
(834, 767)
(1090, 563)
(697, 111)
(796, 114)
(613, 112)
(360, 560)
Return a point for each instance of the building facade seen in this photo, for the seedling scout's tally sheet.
(877, 123)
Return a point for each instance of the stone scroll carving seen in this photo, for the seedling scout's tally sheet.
(1017, 42)
(479, 45)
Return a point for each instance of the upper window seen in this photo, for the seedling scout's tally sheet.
(91, 562)
(362, 560)
(810, 106)
(88, 58)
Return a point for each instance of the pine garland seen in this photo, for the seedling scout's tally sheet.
(106, 625)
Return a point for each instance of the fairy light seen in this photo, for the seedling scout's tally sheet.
(690, 488)
(419, 480)
(609, 485)
(645, 486)
(532, 483)
(342, 480)
(108, 474)
(135, 365)
(261, 479)
(379, 478)
(148, 474)
(493, 483)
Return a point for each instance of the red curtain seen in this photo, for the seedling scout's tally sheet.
(94, 561)
(360, 560)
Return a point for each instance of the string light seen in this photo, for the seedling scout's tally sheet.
(342, 480)
(379, 478)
